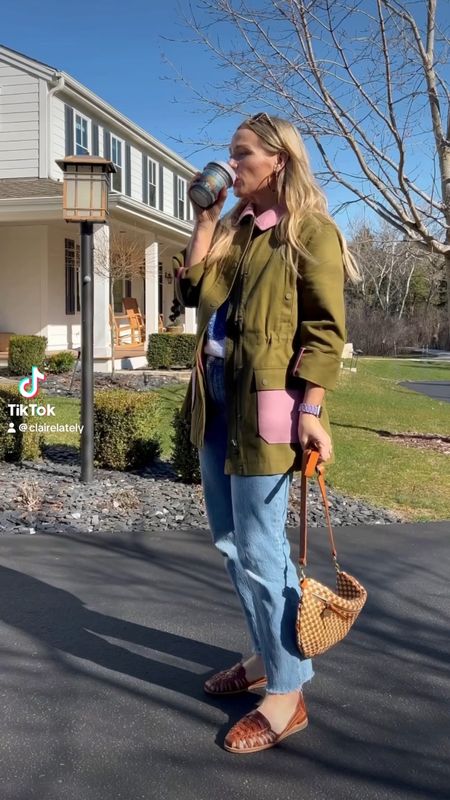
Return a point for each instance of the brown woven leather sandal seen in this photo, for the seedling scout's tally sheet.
(232, 681)
(253, 732)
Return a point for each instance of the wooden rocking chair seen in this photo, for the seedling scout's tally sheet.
(136, 319)
(118, 329)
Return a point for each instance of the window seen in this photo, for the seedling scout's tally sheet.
(121, 289)
(152, 183)
(81, 135)
(72, 272)
(181, 210)
(116, 158)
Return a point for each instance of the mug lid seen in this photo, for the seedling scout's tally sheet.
(227, 168)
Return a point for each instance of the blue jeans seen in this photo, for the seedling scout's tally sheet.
(247, 517)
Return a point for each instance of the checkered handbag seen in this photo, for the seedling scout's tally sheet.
(324, 616)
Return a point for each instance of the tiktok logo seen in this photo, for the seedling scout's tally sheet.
(29, 387)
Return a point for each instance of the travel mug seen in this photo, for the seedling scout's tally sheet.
(205, 189)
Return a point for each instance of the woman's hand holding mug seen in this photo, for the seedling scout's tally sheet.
(208, 217)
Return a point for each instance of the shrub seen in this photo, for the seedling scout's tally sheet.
(60, 362)
(183, 350)
(26, 352)
(166, 350)
(22, 445)
(125, 428)
(159, 350)
(184, 455)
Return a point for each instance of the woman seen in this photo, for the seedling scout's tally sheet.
(268, 282)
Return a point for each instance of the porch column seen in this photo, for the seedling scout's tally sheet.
(102, 334)
(190, 320)
(151, 287)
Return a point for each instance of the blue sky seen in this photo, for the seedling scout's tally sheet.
(116, 50)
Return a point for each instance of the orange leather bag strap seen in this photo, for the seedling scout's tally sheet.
(309, 466)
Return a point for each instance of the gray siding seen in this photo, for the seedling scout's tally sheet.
(57, 132)
(19, 123)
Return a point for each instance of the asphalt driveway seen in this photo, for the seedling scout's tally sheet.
(106, 642)
(438, 390)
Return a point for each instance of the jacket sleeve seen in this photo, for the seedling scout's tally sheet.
(321, 309)
(188, 280)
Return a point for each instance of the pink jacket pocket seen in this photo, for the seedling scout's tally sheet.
(277, 407)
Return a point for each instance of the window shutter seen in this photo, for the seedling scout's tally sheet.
(106, 144)
(68, 114)
(144, 179)
(161, 187)
(127, 169)
(175, 195)
(70, 275)
(94, 136)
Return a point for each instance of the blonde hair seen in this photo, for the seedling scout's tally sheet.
(296, 185)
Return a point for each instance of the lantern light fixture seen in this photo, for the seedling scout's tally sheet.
(86, 188)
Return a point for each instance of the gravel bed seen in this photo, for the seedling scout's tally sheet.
(47, 495)
(138, 380)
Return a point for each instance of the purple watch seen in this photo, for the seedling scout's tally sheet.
(308, 408)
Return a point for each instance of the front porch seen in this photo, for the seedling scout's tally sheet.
(131, 356)
(41, 287)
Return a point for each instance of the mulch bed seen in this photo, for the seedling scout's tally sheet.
(424, 441)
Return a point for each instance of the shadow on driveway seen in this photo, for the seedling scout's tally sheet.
(107, 640)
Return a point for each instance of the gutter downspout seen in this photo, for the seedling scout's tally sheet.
(56, 84)
(59, 85)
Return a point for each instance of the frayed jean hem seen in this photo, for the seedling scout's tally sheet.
(294, 689)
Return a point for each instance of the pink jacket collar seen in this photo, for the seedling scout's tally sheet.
(267, 219)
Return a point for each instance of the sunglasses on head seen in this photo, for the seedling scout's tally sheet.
(262, 116)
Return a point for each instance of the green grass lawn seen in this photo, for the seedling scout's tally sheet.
(365, 408)
(67, 410)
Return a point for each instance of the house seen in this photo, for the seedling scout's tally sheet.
(45, 115)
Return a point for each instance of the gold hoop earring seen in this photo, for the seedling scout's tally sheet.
(274, 175)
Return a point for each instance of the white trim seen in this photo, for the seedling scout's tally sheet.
(151, 160)
(30, 209)
(122, 162)
(181, 184)
(34, 209)
(88, 131)
(43, 130)
(23, 62)
(160, 221)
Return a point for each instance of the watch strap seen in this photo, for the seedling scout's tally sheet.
(310, 408)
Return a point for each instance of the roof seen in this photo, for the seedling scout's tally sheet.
(29, 58)
(29, 187)
(67, 86)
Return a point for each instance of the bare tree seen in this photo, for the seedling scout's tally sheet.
(392, 268)
(123, 260)
(364, 81)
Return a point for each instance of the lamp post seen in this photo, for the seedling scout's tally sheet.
(85, 200)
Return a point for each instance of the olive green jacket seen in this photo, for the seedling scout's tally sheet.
(281, 331)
